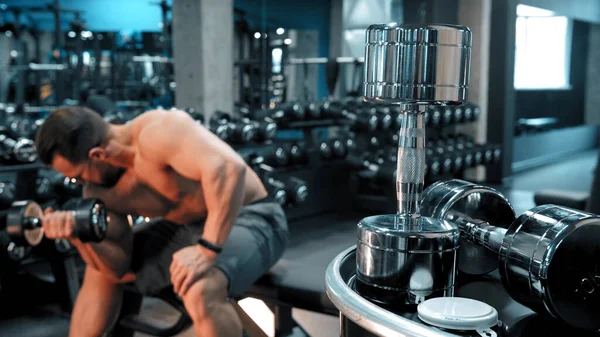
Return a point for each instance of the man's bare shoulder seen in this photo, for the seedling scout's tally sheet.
(163, 129)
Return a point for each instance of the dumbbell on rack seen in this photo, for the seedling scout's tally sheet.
(549, 257)
(239, 130)
(369, 169)
(16, 151)
(286, 190)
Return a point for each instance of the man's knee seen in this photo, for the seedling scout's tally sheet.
(206, 295)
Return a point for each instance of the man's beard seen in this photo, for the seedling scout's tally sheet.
(111, 178)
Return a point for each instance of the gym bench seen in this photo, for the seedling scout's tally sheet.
(296, 281)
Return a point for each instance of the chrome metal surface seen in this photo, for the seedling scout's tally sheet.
(410, 176)
(423, 64)
(550, 261)
(366, 314)
(25, 151)
(473, 204)
(413, 258)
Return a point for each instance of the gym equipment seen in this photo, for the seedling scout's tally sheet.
(325, 150)
(7, 194)
(220, 129)
(275, 155)
(380, 173)
(23, 221)
(295, 189)
(313, 110)
(298, 154)
(265, 128)
(360, 120)
(406, 258)
(385, 118)
(548, 257)
(19, 126)
(240, 131)
(288, 190)
(21, 150)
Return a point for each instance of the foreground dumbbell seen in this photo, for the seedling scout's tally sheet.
(23, 221)
(549, 257)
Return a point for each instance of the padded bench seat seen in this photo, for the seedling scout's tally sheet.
(298, 279)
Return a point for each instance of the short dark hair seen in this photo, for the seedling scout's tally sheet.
(72, 132)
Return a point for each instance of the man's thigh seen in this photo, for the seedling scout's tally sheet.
(256, 241)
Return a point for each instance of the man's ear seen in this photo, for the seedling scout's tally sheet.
(97, 153)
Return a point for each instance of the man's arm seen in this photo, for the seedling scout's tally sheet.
(191, 150)
(112, 256)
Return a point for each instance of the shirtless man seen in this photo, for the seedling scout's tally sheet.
(214, 233)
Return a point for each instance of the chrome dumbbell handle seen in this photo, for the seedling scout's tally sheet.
(479, 232)
(411, 160)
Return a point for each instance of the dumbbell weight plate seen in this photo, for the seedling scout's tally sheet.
(550, 260)
(14, 223)
(444, 199)
(91, 220)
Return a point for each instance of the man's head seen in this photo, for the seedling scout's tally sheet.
(73, 141)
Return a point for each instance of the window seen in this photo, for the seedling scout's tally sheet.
(542, 49)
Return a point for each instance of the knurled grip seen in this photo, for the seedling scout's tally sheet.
(411, 163)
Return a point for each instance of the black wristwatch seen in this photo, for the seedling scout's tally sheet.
(210, 246)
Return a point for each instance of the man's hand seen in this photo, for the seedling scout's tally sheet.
(58, 224)
(188, 266)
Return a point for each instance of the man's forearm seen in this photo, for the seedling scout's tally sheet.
(224, 203)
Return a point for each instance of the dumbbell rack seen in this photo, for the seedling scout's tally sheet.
(323, 178)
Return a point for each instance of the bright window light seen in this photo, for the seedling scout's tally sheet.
(542, 49)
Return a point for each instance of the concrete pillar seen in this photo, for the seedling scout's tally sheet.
(476, 14)
(203, 54)
(592, 86)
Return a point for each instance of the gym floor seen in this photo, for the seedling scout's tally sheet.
(572, 173)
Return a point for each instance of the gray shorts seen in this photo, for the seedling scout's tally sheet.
(257, 240)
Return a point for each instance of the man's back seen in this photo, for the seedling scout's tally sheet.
(151, 187)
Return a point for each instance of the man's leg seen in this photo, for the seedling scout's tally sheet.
(97, 305)
(206, 303)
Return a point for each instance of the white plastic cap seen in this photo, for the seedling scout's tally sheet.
(457, 313)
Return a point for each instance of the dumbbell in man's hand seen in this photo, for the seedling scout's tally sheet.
(82, 219)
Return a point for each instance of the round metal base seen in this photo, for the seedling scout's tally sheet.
(401, 260)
